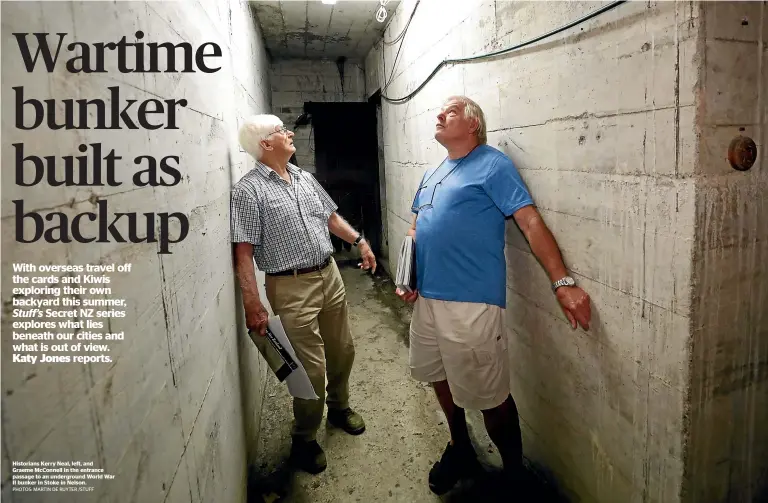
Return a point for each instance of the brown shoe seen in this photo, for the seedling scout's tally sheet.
(346, 419)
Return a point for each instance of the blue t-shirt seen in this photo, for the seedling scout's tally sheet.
(461, 207)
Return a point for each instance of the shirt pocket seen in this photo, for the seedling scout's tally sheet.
(311, 201)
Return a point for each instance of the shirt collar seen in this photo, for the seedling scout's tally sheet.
(266, 171)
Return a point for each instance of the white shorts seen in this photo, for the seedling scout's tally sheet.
(465, 344)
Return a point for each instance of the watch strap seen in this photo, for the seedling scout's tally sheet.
(566, 281)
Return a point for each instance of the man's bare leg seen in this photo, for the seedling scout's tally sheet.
(457, 421)
(459, 459)
(503, 426)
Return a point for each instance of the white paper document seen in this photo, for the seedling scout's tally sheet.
(298, 382)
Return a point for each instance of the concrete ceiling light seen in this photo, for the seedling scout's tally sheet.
(329, 2)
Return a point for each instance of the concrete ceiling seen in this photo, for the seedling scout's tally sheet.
(314, 30)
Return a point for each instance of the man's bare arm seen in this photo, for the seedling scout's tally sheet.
(341, 228)
(412, 231)
(541, 241)
(573, 300)
(246, 272)
(256, 315)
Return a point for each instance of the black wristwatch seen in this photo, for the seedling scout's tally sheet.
(357, 241)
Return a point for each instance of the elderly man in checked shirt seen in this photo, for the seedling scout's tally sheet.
(281, 218)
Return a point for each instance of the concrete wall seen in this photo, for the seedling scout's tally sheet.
(618, 127)
(295, 82)
(173, 415)
(728, 445)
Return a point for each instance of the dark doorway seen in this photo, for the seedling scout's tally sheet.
(347, 164)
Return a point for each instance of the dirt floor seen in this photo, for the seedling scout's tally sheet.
(405, 430)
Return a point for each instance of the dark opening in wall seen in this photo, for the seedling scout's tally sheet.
(346, 164)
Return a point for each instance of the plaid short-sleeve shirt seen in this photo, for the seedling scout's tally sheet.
(287, 223)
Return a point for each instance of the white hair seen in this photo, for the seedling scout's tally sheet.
(254, 129)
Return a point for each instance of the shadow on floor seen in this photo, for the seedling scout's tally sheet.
(488, 487)
(491, 487)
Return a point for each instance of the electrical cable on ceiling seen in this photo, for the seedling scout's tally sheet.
(577, 22)
(402, 33)
(394, 64)
(401, 37)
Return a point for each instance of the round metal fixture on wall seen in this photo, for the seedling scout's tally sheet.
(742, 153)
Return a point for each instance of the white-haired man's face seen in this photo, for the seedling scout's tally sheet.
(452, 124)
(279, 142)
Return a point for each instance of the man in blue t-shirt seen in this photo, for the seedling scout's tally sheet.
(457, 339)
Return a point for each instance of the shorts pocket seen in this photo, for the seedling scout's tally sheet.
(491, 351)
(484, 355)
(478, 375)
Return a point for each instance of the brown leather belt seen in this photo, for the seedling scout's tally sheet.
(304, 270)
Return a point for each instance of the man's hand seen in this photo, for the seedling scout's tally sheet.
(575, 304)
(256, 318)
(340, 228)
(369, 260)
(409, 297)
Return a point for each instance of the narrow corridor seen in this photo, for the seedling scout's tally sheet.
(406, 431)
(639, 130)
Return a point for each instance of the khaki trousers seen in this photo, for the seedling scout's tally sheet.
(313, 310)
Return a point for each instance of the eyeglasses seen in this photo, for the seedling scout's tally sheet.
(281, 130)
(418, 209)
(424, 185)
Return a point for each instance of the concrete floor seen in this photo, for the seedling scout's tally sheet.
(405, 430)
